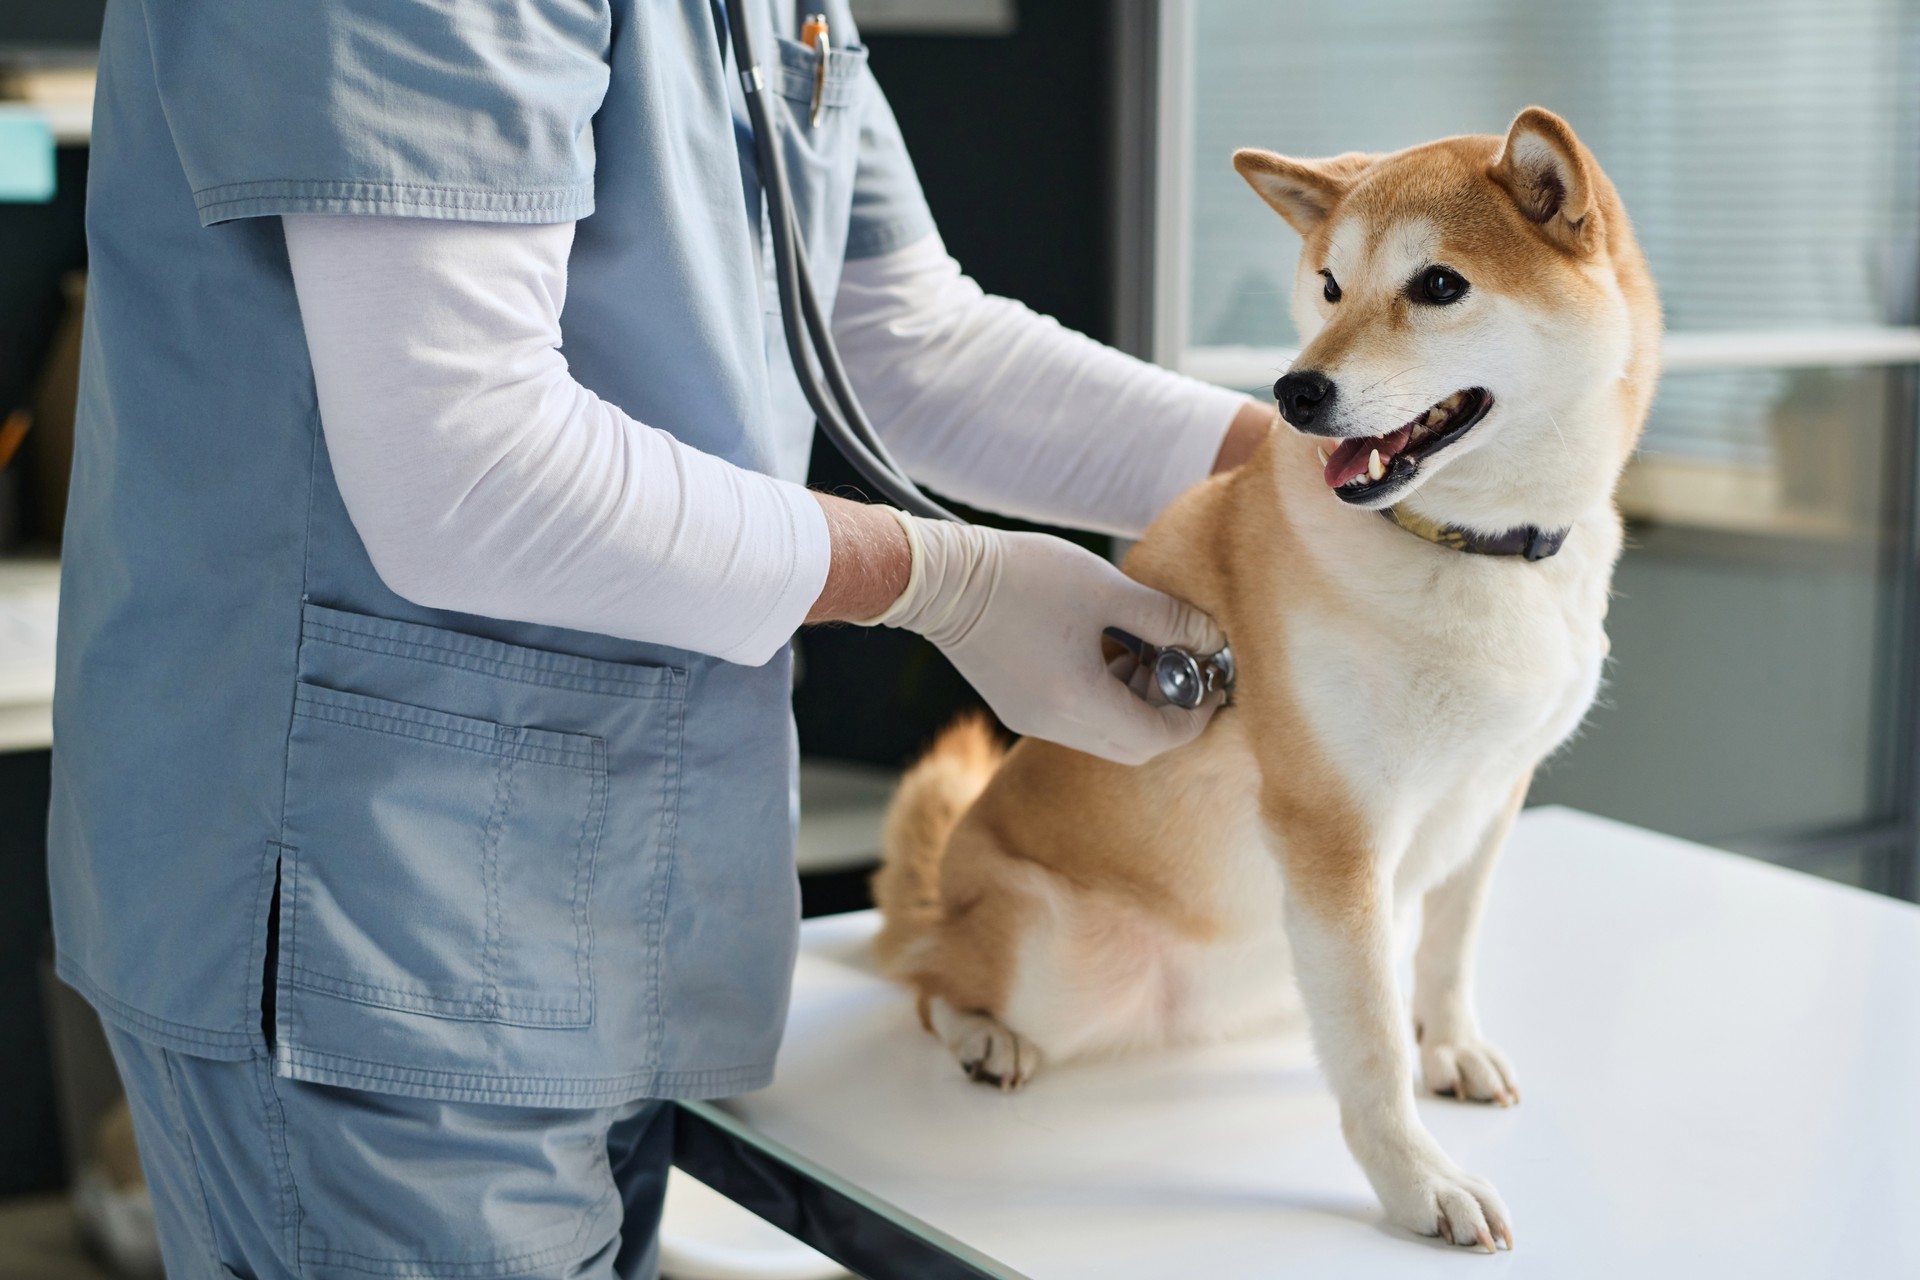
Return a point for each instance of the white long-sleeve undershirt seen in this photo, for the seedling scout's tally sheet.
(484, 479)
(980, 398)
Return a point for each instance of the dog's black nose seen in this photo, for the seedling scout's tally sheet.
(1303, 397)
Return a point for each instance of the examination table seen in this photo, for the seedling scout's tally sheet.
(1720, 1063)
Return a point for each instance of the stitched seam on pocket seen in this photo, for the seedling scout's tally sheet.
(797, 87)
(490, 881)
(358, 711)
(498, 668)
(663, 883)
(436, 1004)
(585, 866)
(405, 729)
(843, 73)
(643, 682)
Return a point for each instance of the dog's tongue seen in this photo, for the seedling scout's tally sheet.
(1349, 460)
(1350, 457)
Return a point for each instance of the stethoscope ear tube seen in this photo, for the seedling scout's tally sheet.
(808, 335)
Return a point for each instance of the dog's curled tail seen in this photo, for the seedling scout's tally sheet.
(932, 796)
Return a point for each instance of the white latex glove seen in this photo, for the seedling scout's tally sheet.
(1020, 615)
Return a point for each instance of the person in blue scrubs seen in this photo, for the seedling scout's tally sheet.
(419, 832)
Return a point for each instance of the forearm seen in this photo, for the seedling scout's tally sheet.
(870, 561)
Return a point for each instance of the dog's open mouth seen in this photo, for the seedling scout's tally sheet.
(1363, 468)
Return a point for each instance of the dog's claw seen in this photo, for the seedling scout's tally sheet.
(1443, 1229)
(985, 1051)
(978, 1073)
(1486, 1241)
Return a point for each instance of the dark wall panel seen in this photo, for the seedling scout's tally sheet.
(1010, 137)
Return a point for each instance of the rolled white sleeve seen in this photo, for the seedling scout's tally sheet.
(483, 478)
(988, 402)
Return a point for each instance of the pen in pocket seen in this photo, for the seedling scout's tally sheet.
(814, 35)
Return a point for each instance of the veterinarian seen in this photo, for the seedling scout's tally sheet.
(423, 807)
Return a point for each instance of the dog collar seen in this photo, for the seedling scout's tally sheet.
(1527, 540)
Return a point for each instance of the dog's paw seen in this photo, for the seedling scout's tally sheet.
(1437, 1198)
(1470, 1069)
(986, 1049)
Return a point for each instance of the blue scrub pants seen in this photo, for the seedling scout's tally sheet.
(262, 1178)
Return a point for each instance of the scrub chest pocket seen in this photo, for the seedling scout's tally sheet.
(822, 158)
(447, 815)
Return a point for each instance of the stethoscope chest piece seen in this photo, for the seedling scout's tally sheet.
(1172, 676)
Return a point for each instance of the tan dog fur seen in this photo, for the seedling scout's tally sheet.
(1393, 696)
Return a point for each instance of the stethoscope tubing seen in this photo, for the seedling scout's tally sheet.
(1175, 675)
(809, 337)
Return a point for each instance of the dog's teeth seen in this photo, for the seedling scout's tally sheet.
(1323, 455)
(1375, 468)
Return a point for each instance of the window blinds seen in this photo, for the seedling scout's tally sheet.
(1768, 151)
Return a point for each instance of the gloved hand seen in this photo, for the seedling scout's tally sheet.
(1020, 615)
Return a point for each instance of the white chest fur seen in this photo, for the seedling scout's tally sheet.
(1442, 677)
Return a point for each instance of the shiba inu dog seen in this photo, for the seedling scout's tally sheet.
(1414, 581)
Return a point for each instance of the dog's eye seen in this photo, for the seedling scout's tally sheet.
(1332, 292)
(1439, 286)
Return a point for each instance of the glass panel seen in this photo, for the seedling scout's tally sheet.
(1743, 699)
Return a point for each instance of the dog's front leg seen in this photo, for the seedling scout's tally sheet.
(1454, 1057)
(1339, 917)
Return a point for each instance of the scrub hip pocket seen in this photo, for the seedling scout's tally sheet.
(438, 851)
(443, 863)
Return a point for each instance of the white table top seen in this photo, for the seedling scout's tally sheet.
(1721, 1063)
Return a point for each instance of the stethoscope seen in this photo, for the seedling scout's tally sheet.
(1160, 674)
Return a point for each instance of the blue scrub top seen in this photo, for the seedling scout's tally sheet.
(514, 863)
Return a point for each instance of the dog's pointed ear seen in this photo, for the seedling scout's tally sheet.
(1549, 174)
(1303, 192)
